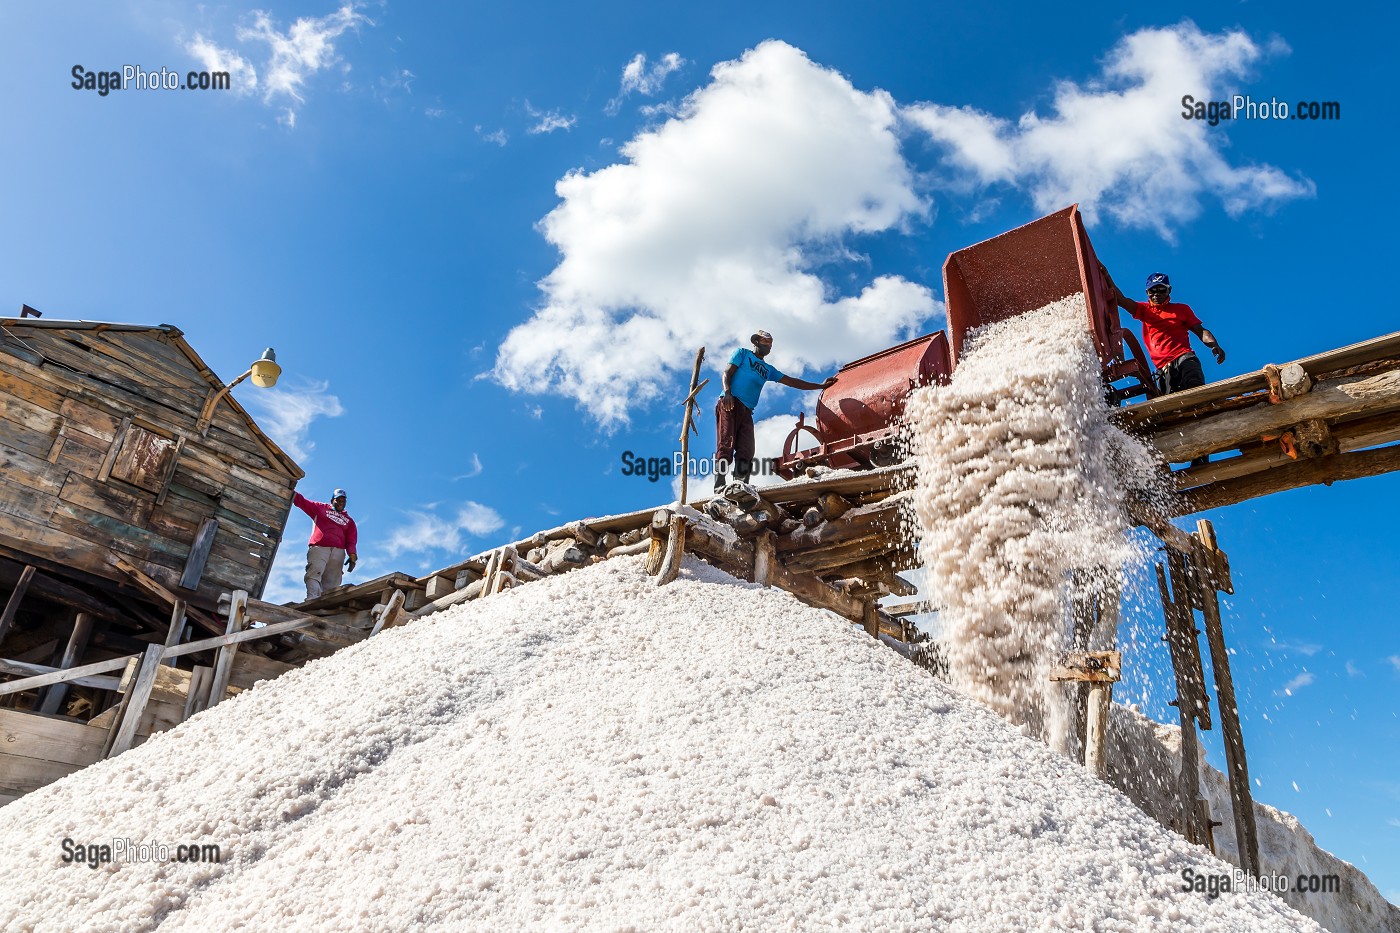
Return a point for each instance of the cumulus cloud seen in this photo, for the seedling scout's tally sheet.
(637, 78)
(710, 228)
(427, 530)
(1118, 144)
(306, 47)
(286, 414)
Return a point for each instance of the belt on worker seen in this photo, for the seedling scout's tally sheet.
(1188, 355)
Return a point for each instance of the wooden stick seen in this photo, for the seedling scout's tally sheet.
(16, 596)
(1237, 768)
(132, 665)
(137, 696)
(660, 525)
(687, 425)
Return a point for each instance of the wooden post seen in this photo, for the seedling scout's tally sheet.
(1189, 777)
(133, 667)
(1097, 671)
(16, 596)
(660, 524)
(764, 554)
(688, 422)
(223, 661)
(177, 627)
(1096, 729)
(872, 620)
(199, 552)
(77, 643)
(1241, 797)
(390, 616)
(137, 695)
(675, 552)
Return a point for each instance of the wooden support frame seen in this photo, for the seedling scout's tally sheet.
(137, 695)
(1237, 768)
(223, 663)
(77, 644)
(7, 618)
(1189, 776)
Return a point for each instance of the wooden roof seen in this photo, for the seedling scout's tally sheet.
(176, 338)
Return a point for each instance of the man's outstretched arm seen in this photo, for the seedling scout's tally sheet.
(1207, 338)
(804, 384)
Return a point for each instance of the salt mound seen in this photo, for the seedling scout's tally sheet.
(594, 752)
(1021, 488)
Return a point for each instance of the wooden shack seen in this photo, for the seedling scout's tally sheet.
(133, 489)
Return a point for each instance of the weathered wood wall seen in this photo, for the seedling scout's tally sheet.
(99, 453)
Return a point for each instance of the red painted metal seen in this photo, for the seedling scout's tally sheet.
(858, 416)
(1029, 267)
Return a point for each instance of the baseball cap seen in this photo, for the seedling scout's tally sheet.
(760, 336)
(1158, 278)
(339, 494)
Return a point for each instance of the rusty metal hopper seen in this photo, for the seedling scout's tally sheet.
(858, 416)
(1029, 267)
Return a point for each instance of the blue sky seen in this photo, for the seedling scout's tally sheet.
(486, 241)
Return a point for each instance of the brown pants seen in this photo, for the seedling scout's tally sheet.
(323, 568)
(733, 442)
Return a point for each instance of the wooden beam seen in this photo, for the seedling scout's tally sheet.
(1321, 470)
(7, 618)
(1189, 776)
(390, 617)
(139, 576)
(1237, 767)
(223, 663)
(137, 696)
(77, 644)
(1328, 400)
(41, 675)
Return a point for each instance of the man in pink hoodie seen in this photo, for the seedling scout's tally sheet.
(332, 539)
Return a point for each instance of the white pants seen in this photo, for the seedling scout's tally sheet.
(323, 568)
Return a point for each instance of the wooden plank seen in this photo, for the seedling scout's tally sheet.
(1102, 667)
(20, 776)
(176, 630)
(250, 669)
(199, 554)
(39, 474)
(392, 614)
(35, 676)
(1188, 777)
(22, 502)
(124, 504)
(19, 386)
(35, 443)
(30, 417)
(137, 696)
(7, 618)
(49, 738)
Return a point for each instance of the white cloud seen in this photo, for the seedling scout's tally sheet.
(473, 471)
(709, 230)
(243, 77)
(308, 46)
(549, 120)
(1118, 144)
(498, 137)
(291, 57)
(639, 79)
(1297, 683)
(428, 531)
(1353, 670)
(286, 414)
(1394, 660)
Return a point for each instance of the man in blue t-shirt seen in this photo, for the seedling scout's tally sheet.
(743, 381)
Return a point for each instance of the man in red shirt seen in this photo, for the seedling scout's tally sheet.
(1166, 330)
(333, 537)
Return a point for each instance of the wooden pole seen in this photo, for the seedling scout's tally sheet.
(177, 628)
(688, 422)
(223, 661)
(1241, 798)
(137, 696)
(77, 644)
(1188, 778)
(1096, 730)
(16, 596)
(675, 552)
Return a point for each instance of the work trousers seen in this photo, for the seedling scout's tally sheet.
(733, 442)
(1180, 374)
(323, 569)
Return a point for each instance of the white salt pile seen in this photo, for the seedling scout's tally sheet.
(594, 752)
(1020, 487)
